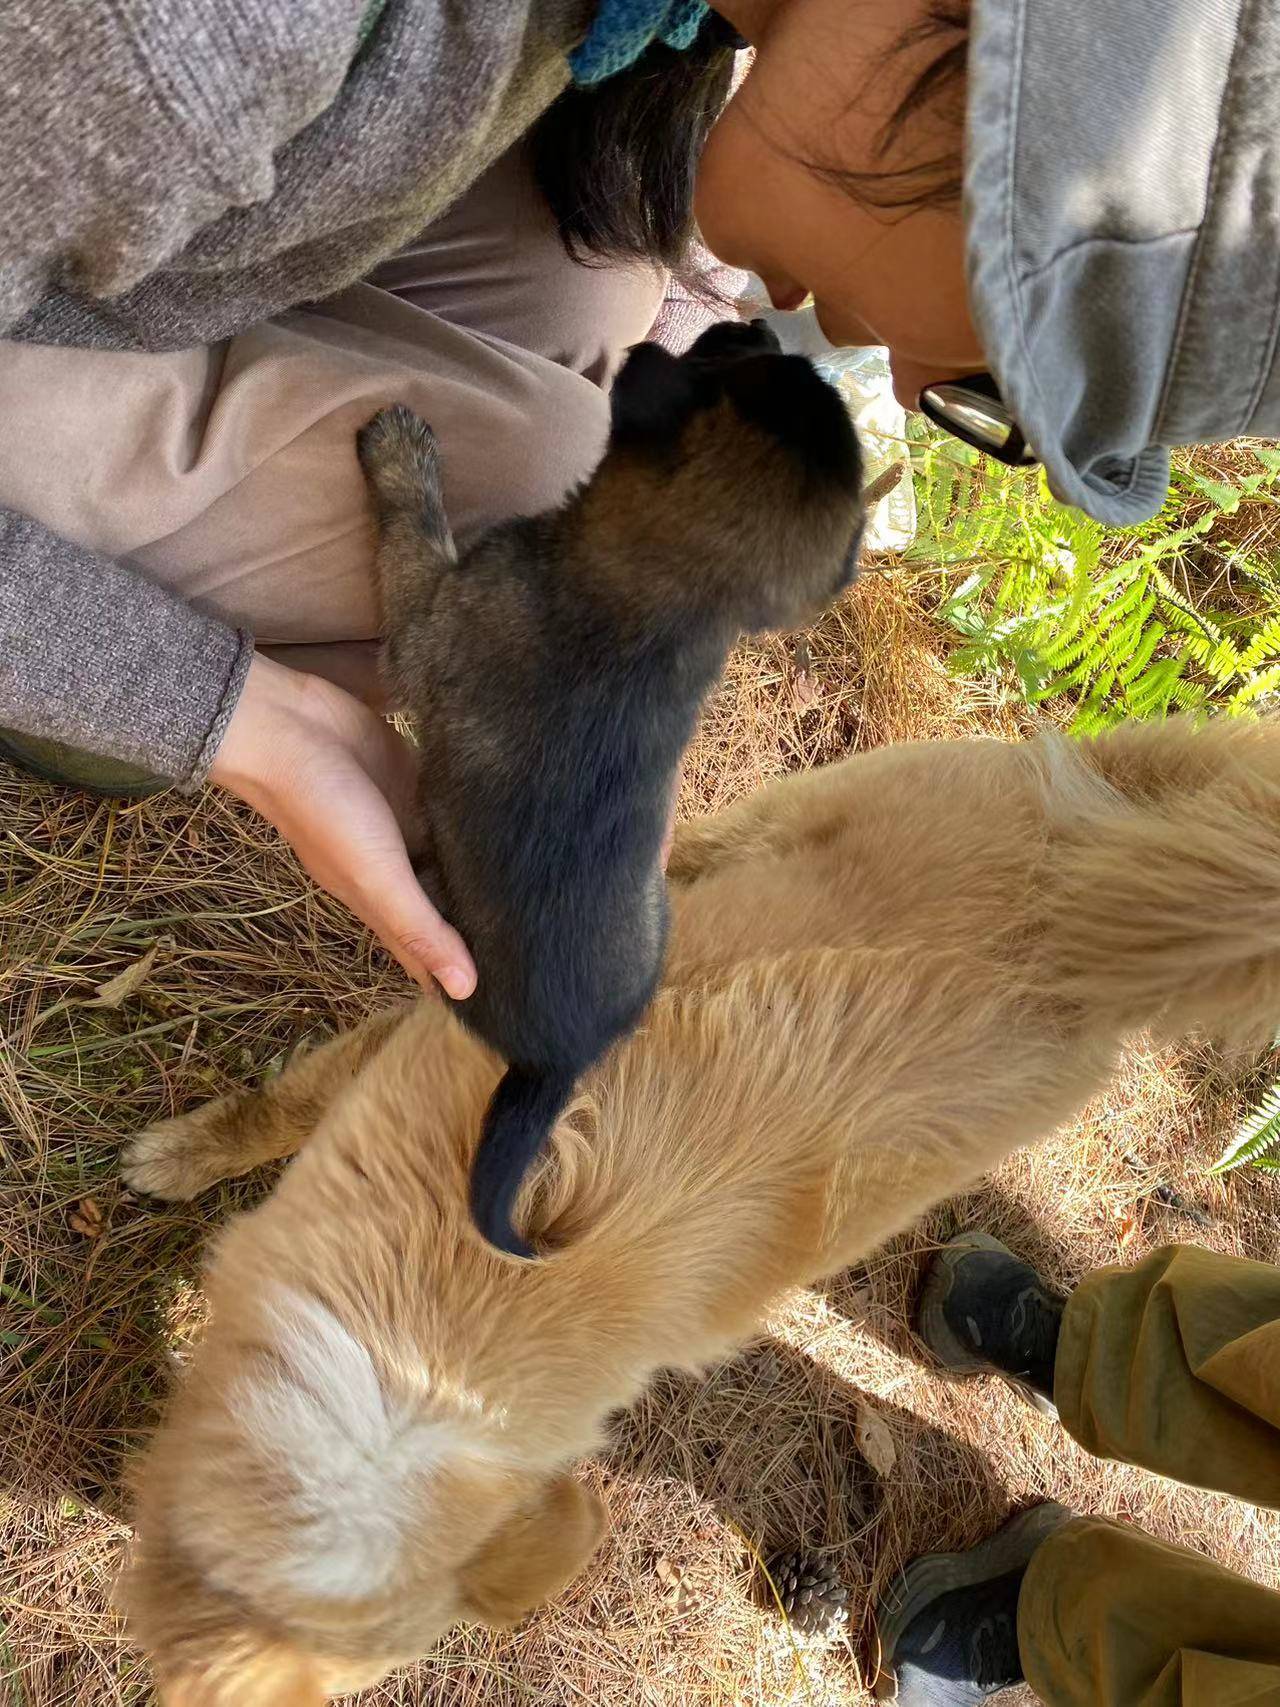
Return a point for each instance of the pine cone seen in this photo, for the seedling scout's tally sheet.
(812, 1595)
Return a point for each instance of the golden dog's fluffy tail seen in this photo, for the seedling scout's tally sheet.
(1163, 894)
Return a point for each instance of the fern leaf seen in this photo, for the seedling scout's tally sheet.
(1141, 655)
(1258, 1133)
(1221, 494)
(1151, 694)
(1258, 687)
(1178, 610)
(1190, 696)
(1263, 647)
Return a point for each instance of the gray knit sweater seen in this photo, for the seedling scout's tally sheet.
(173, 172)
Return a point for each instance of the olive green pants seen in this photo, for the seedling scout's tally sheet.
(1174, 1365)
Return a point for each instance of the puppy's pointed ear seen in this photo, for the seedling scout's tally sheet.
(534, 1554)
(653, 395)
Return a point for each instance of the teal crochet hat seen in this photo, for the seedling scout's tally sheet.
(623, 29)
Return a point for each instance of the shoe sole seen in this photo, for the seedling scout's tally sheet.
(33, 760)
(935, 1574)
(934, 1329)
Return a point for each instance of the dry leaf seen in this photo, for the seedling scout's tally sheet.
(804, 687)
(875, 1440)
(674, 1579)
(1127, 1226)
(86, 1218)
(879, 488)
(124, 984)
(804, 690)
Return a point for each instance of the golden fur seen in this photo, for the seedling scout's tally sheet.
(882, 978)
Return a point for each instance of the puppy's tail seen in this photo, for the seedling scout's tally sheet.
(517, 1123)
(1164, 899)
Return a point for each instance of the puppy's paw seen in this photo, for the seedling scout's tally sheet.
(171, 1160)
(397, 451)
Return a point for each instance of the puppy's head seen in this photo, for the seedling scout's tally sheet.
(301, 1531)
(740, 465)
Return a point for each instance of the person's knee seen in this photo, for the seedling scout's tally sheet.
(495, 264)
(526, 452)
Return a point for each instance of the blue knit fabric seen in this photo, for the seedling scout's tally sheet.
(624, 28)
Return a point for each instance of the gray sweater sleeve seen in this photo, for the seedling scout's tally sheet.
(128, 125)
(94, 655)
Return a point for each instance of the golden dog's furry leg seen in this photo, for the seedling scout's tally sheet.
(777, 819)
(178, 1159)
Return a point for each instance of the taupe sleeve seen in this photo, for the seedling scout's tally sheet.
(93, 654)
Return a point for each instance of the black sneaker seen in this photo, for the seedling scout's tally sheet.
(948, 1625)
(982, 1308)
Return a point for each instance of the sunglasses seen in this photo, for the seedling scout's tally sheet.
(972, 410)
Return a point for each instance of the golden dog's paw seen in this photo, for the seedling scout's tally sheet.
(169, 1161)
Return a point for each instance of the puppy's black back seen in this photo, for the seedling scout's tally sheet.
(557, 671)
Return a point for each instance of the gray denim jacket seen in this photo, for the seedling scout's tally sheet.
(1122, 205)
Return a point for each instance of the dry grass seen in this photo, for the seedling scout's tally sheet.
(250, 960)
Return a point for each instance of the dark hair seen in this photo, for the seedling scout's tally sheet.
(937, 180)
(616, 162)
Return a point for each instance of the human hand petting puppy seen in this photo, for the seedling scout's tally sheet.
(337, 781)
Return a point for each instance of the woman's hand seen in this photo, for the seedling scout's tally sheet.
(337, 782)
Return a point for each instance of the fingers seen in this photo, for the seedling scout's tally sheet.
(338, 784)
(394, 907)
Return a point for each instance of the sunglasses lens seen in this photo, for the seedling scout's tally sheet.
(976, 414)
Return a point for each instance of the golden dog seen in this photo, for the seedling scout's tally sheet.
(882, 978)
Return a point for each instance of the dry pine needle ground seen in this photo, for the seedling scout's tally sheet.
(153, 955)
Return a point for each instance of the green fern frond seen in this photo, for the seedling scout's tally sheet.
(1263, 647)
(1258, 687)
(1132, 671)
(1106, 620)
(1154, 692)
(1178, 608)
(1258, 1133)
(1190, 697)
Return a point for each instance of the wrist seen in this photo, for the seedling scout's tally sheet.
(250, 754)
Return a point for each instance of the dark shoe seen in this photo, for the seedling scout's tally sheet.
(948, 1625)
(982, 1308)
(54, 761)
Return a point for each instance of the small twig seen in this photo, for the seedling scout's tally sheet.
(122, 924)
(882, 485)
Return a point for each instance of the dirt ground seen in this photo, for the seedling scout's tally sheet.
(99, 1297)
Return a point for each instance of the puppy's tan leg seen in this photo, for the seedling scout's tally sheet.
(178, 1159)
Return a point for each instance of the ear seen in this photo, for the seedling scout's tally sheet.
(534, 1554)
(789, 400)
(653, 395)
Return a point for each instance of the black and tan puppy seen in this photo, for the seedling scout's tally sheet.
(556, 671)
